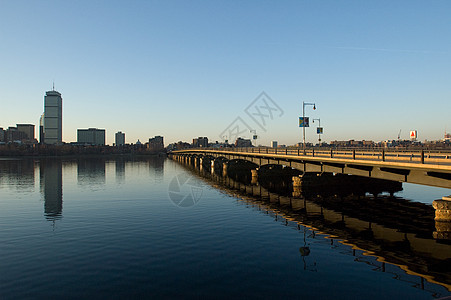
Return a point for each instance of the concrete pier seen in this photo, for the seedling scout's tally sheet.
(254, 179)
(224, 169)
(442, 218)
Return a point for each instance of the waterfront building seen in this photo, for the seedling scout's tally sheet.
(156, 143)
(2, 135)
(120, 138)
(27, 129)
(200, 142)
(14, 135)
(53, 118)
(91, 136)
(240, 142)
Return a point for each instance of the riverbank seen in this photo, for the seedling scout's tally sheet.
(37, 151)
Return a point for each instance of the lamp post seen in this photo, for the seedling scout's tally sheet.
(303, 118)
(319, 133)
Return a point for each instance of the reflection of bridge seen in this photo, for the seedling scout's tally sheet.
(394, 230)
(420, 167)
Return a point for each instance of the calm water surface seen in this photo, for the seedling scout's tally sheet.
(97, 228)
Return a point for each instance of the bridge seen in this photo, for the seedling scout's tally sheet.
(431, 168)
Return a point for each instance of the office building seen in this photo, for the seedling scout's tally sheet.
(200, 142)
(53, 118)
(240, 142)
(274, 144)
(14, 135)
(156, 143)
(91, 136)
(120, 138)
(27, 129)
(2, 135)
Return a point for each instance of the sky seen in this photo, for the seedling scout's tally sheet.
(183, 69)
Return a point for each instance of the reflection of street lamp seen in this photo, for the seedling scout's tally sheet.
(303, 118)
(319, 130)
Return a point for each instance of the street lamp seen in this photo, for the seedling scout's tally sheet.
(319, 132)
(303, 118)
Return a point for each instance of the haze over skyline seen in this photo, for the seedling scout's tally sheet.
(183, 69)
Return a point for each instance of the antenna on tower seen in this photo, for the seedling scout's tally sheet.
(53, 85)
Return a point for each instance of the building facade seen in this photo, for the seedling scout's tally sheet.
(120, 138)
(53, 118)
(27, 129)
(240, 142)
(156, 143)
(2, 135)
(91, 136)
(200, 142)
(41, 129)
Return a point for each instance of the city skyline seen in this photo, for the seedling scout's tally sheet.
(187, 69)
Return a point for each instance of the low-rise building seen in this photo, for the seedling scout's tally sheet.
(240, 142)
(200, 142)
(2, 135)
(91, 136)
(156, 143)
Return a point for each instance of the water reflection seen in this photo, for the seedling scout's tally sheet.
(120, 170)
(19, 174)
(51, 181)
(385, 229)
(156, 165)
(91, 172)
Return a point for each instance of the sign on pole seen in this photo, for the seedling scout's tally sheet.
(304, 122)
(319, 130)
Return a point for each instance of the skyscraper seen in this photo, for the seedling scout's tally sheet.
(53, 118)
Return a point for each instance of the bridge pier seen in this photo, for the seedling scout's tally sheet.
(213, 166)
(254, 179)
(442, 218)
(224, 169)
(297, 186)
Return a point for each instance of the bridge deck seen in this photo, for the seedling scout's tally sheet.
(421, 167)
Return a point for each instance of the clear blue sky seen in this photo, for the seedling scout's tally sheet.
(184, 69)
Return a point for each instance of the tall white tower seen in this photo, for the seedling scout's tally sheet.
(53, 118)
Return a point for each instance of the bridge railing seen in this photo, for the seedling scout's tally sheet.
(389, 155)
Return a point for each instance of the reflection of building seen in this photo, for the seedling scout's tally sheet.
(120, 170)
(18, 173)
(91, 171)
(51, 174)
(91, 136)
(156, 143)
(120, 138)
(53, 118)
(200, 142)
